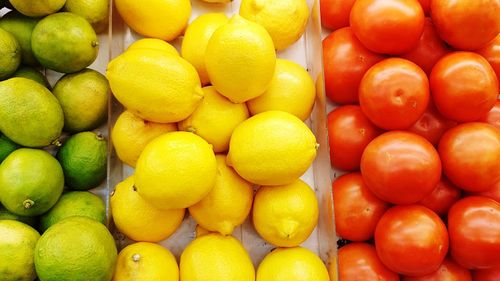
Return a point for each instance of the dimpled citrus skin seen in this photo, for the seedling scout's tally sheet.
(153, 44)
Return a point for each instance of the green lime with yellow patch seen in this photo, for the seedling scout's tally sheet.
(6, 147)
(10, 54)
(32, 73)
(21, 27)
(8, 215)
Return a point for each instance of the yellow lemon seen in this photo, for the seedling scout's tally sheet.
(272, 148)
(217, 1)
(153, 44)
(292, 90)
(138, 219)
(200, 231)
(176, 170)
(146, 262)
(228, 204)
(163, 19)
(131, 134)
(215, 119)
(240, 59)
(285, 20)
(292, 264)
(155, 85)
(214, 257)
(37, 8)
(196, 39)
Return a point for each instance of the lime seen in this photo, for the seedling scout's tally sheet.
(94, 11)
(21, 27)
(6, 147)
(7, 215)
(32, 74)
(10, 54)
(37, 8)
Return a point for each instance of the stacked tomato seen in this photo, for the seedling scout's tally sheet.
(416, 128)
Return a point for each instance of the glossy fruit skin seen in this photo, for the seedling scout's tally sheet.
(345, 62)
(432, 125)
(491, 52)
(426, 6)
(470, 154)
(411, 240)
(474, 225)
(493, 116)
(490, 274)
(388, 26)
(442, 197)
(335, 13)
(449, 270)
(493, 193)
(455, 88)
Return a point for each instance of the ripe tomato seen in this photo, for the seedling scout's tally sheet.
(449, 270)
(411, 240)
(470, 154)
(335, 13)
(432, 125)
(442, 197)
(464, 86)
(474, 227)
(490, 274)
(400, 167)
(466, 24)
(493, 116)
(357, 209)
(349, 132)
(491, 52)
(388, 26)
(394, 93)
(493, 193)
(345, 62)
(426, 6)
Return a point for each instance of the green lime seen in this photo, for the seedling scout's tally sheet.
(76, 249)
(94, 11)
(21, 27)
(31, 182)
(10, 54)
(7, 215)
(84, 99)
(64, 42)
(83, 158)
(37, 8)
(6, 147)
(33, 74)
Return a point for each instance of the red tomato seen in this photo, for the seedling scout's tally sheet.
(474, 227)
(466, 24)
(491, 52)
(345, 62)
(426, 6)
(432, 125)
(490, 274)
(349, 132)
(357, 209)
(400, 167)
(359, 261)
(388, 26)
(394, 93)
(464, 86)
(470, 154)
(493, 193)
(442, 197)
(335, 13)
(493, 116)
(448, 270)
(411, 240)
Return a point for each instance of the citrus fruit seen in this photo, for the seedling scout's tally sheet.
(7, 215)
(37, 8)
(195, 41)
(175, 170)
(153, 44)
(84, 100)
(233, 72)
(10, 54)
(217, 1)
(21, 27)
(272, 148)
(83, 158)
(291, 90)
(6, 147)
(147, 261)
(64, 42)
(200, 231)
(32, 74)
(17, 246)
(215, 119)
(155, 85)
(214, 257)
(76, 249)
(133, 215)
(228, 203)
(96, 12)
(31, 181)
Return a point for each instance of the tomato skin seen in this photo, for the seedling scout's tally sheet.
(493, 193)
(493, 116)
(394, 93)
(426, 6)
(432, 125)
(411, 240)
(470, 154)
(345, 62)
(491, 52)
(490, 274)
(455, 88)
(449, 270)
(442, 197)
(335, 13)
(474, 228)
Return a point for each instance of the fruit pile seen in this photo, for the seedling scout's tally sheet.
(416, 130)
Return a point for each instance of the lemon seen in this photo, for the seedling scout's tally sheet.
(163, 19)
(240, 59)
(272, 148)
(10, 54)
(285, 20)
(215, 119)
(21, 27)
(195, 41)
(96, 12)
(217, 1)
(138, 219)
(228, 203)
(292, 264)
(200, 231)
(214, 257)
(37, 8)
(131, 134)
(153, 44)
(292, 90)
(155, 85)
(146, 262)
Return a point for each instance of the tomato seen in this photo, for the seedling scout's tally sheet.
(394, 93)
(490, 274)
(345, 62)
(493, 116)
(464, 86)
(432, 125)
(388, 26)
(357, 209)
(448, 270)
(470, 154)
(349, 132)
(359, 261)
(411, 240)
(474, 228)
(442, 197)
(493, 193)
(491, 52)
(426, 6)
(466, 24)
(400, 167)
(335, 13)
